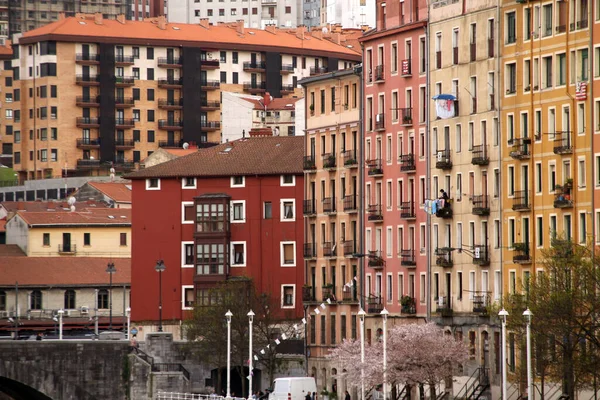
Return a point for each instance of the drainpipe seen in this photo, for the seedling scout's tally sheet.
(428, 169)
(500, 143)
(358, 70)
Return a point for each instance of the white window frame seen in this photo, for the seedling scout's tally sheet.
(183, 220)
(281, 253)
(184, 180)
(238, 221)
(232, 254)
(241, 185)
(183, 289)
(282, 183)
(282, 210)
(284, 285)
(148, 187)
(183, 244)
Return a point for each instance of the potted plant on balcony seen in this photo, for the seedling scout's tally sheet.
(407, 303)
(312, 109)
(569, 183)
(407, 119)
(306, 293)
(350, 161)
(330, 162)
(520, 247)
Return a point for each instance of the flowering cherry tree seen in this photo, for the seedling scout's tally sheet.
(416, 354)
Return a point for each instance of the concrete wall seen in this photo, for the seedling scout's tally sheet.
(17, 232)
(237, 116)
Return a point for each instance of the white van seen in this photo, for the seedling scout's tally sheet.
(292, 388)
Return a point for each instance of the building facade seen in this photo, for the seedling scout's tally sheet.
(348, 13)
(110, 88)
(252, 189)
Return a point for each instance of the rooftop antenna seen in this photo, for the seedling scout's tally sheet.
(71, 202)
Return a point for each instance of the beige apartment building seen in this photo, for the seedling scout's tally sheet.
(466, 231)
(333, 193)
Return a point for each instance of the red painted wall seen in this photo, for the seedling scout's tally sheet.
(158, 233)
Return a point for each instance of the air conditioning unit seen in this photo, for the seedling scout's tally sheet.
(3, 314)
(67, 313)
(85, 310)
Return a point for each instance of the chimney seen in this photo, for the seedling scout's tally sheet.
(337, 28)
(121, 18)
(365, 28)
(61, 16)
(336, 38)
(267, 99)
(261, 132)
(271, 29)
(316, 32)
(239, 26)
(162, 22)
(20, 206)
(204, 23)
(98, 18)
(300, 32)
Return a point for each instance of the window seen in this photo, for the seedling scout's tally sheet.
(561, 66)
(87, 239)
(188, 183)
(268, 211)
(102, 299)
(234, 55)
(2, 300)
(123, 239)
(150, 94)
(35, 300)
(188, 297)
(136, 93)
(288, 254)
(210, 259)
(188, 212)
(511, 28)
(238, 254)
(222, 54)
(238, 209)
(211, 217)
(135, 52)
(150, 136)
(46, 240)
(136, 73)
(288, 209)
(547, 72)
(54, 91)
(288, 180)
(153, 184)
(69, 299)
(136, 115)
(238, 181)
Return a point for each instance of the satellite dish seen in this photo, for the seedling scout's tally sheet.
(71, 200)
(325, 29)
(72, 208)
(186, 145)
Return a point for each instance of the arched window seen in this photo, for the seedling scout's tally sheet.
(69, 299)
(35, 300)
(103, 298)
(2, 300)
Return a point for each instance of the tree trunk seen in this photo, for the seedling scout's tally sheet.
(432, 393)
(219, 384)
(568, 371)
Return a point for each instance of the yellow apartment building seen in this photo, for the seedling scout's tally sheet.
(333, 193)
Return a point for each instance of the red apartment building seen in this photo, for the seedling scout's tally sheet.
(231, 210)
(395, 153)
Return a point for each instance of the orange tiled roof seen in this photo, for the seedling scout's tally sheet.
(100, 216)
(250, 156)
(2, 225)
(14, 206)
(181, 152)
(118, 191)
(84, 28)
(6, 50)
(275, 104)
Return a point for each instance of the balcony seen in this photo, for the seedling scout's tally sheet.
(309, 163)
(170, 62)
(562, 196)
(350, 160)
(121, 59)
(210, 126)
(443, 307)
(406, 118)
(308, 294)
(87, 59)
(480, 155)
(256, 66)
(374, 213)
(87, 122)
(173, 83)
(521, 253)
(329, 249)
(481, 205)
(349, 295)
(444, 212)
(407, 163)
(124, 123)
(255, 87)
(318, 70)
(376, 260)
(561, 28)
(375, 167)
(380, 122)
(379, 74)
(167, 104)
(329, 160)
(310, 250)
(123, 164)
(481, 303)
(124, 102)
(350, 203)
(521, 200)
(443, 160)
(563, 145)
(209, 64)
(87, 80)
(443, 257)
(409, 305)
(209, 105)
(88, 164)
(520, 148)
(309, 207)
(172, 144)
(407, 210)
(287, 89)
(329, 205)
(287, 69)
(407, 258)
(406, 66)
(67, 248)
(170, 124)
(374, 305)
(88, 144)
(327, 292)
(349, 248)
(87, 101)
(481, 255)
(123, 81)
(124, 144)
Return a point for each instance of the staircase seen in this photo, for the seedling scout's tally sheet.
(476, 385)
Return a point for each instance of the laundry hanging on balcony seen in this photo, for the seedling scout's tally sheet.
(444, 105)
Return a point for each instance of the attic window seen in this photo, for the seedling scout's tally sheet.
(111, 217)
(349, 46)
(176, 28)
(227, 149)
(82, 22)
(252, 33)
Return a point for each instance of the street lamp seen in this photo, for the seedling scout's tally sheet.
(361, 315)
(128, 312)
(503, 314)
(60, 324)
(228, 315)
(384, 316)
(160, 267)
(250, 320)
(528, 314)
(110, 269)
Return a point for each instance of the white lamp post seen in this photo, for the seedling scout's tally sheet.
(128, 312)
(503, 314)
(228, 315)
(361, 315)
(60, 324)
(528, 314)
(250, 320)
(384, 317)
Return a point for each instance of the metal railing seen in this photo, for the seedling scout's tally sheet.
(564, 146)
(88, 142)
(310, 250)
(67, 248)
(406, 116)
(407, 257)
(407, 163)
(170, 61)
(254, 65)
(374, 212)
(443, 160)
(329, 160)
(329, 204)
(481, 204)
(309, 163)
(521, 200)
(87, 57)
(350, 159)
(329, 249)
(309, 207)
(349, 248)
(520, 148)
(407, 209)
(480, 155)
(175, 81)
(380, 122)
(374, 304)
(375, 167)
(379, 73)
(481, 255)
(350, 203)
(443, 257)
